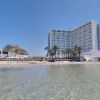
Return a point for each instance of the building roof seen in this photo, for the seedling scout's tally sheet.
(15, 48)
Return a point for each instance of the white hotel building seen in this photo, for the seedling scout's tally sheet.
(87, 36)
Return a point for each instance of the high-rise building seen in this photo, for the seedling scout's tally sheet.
(87, 36)
(61, 38)
(98, 35)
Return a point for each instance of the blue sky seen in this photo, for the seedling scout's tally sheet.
(27, 22)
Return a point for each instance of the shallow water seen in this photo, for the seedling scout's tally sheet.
(68, 82)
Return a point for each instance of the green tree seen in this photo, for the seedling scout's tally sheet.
(51, 53)
(62, 53)
(69, 52)
(75, 51)
(55, 48)
(66, 52)
(75, 48)
(79, 52)
(58, 53)
(73, 55)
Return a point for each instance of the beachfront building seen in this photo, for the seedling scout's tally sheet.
(98, 35)
(86, 36)
(61, 38)
(13, 51)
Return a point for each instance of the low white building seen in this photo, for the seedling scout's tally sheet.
(14, 52)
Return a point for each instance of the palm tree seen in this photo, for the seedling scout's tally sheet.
(58, 53)
(55, 48)
(62, 53)
(51, 53)
(73, 55)
(75, 48)
(69, 51)
(46, 48)
(79, 52)
(66, 52)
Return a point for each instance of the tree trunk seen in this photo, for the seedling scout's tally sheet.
(55, 54)
(68, 55)
(79, 56)
(62, 55)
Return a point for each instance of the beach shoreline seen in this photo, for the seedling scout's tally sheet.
(7, 64)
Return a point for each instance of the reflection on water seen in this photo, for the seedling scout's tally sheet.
(70, 82)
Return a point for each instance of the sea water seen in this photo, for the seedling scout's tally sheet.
(53, 82)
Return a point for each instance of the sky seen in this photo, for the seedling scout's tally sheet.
(27, 22)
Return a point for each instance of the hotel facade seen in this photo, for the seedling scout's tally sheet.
(86, 36)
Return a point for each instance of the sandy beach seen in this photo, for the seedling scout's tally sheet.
(14, 64)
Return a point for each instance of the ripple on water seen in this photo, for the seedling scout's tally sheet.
(71, 82)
